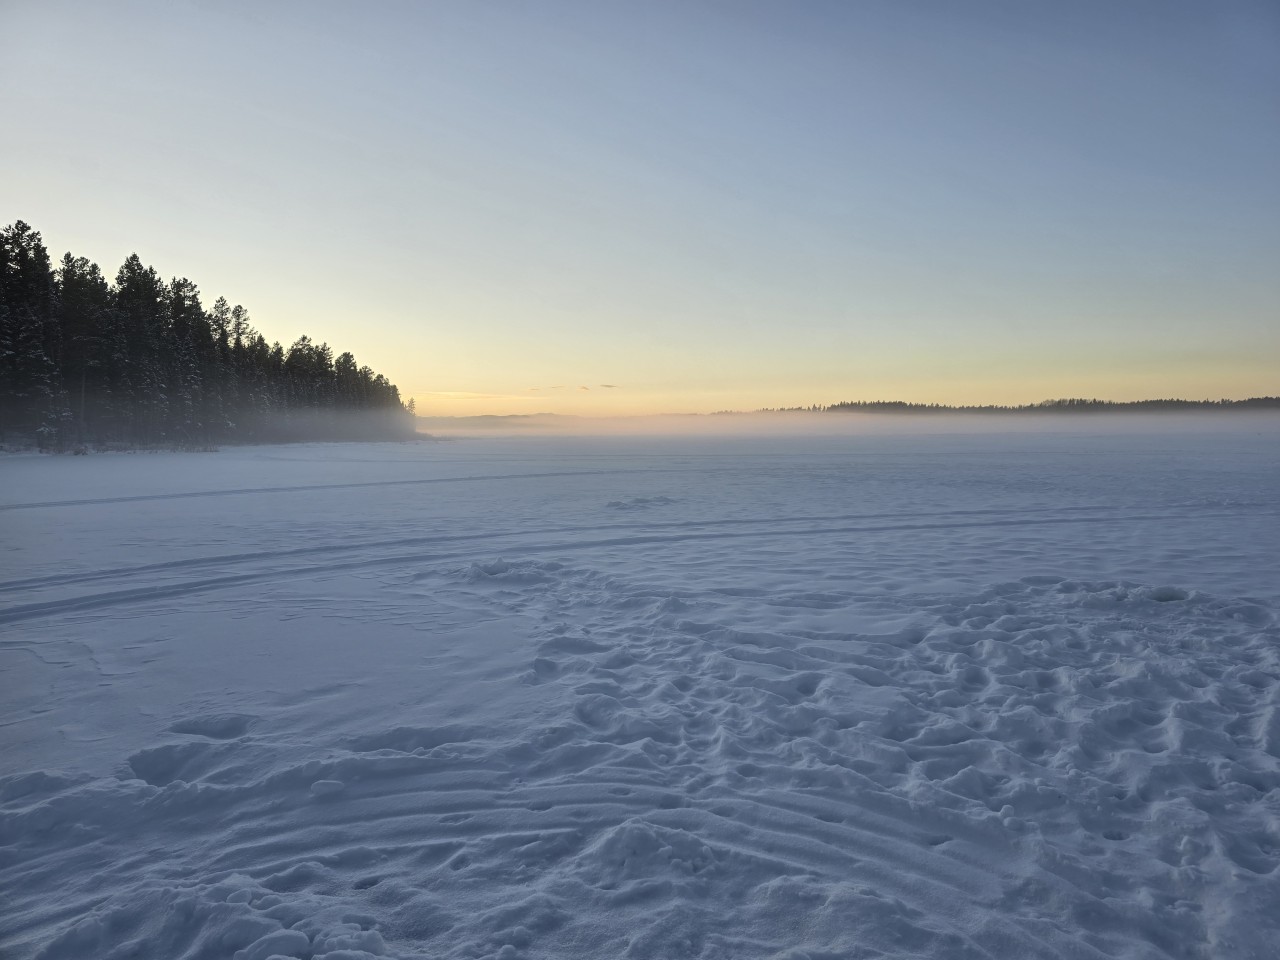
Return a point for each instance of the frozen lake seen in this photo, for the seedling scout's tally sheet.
(980, 695)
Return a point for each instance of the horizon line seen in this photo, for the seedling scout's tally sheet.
(1061, 405)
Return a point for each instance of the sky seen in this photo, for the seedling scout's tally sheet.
(646, 207)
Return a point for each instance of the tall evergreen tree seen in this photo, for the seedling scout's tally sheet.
(31, 395)
(141, 361)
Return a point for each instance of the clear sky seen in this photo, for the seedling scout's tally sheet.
(602, 207)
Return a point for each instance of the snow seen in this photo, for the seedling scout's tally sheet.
(979, 695)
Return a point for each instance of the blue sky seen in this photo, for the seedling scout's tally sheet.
(706, 206)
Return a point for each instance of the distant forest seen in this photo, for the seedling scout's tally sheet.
(1045, 406)
(141, 363)
(1059, 406)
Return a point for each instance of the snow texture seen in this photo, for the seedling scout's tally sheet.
(856, 697)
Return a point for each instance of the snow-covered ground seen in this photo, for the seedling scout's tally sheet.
(1008, 695)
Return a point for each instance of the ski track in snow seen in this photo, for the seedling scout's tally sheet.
(304, 488)
(18, 612)
(704, 736)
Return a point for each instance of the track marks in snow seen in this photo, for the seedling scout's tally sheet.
(1043, 735)
(382, 544)
(1044, 769)
(317, 488)
(262, 570)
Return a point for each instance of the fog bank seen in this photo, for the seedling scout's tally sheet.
(835, 424)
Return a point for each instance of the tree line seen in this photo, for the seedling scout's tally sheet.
(1067, 405)
(141, 362)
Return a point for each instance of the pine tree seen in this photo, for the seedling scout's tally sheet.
(31, 396)
(141, 361)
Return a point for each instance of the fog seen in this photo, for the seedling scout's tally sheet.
(826, 424)
(104, 429)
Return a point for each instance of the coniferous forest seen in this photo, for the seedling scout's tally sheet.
(138, 362)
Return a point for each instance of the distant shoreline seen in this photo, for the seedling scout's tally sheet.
(893, 407)
(1046, 406)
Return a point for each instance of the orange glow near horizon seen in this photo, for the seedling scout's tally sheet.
(597, 401)
(657, 208)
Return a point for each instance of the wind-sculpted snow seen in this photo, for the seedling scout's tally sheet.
(679, 733)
